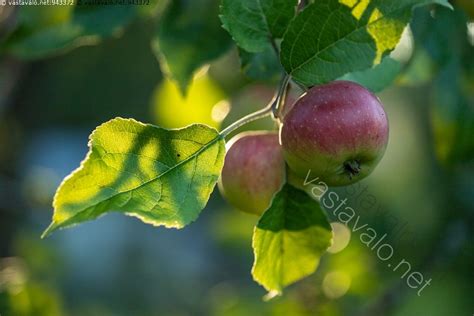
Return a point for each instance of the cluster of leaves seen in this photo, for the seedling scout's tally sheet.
(165, 177)
(188, 33)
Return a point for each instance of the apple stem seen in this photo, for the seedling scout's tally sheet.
(266, 111)
(271, 108)
(280, 98)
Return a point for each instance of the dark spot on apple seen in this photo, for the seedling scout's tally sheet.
(352, 167)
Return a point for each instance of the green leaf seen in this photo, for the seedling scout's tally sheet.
(49, 31)
(289, 239)
(188, 36)
(264, 65)
(163, 177)
(252, 23)
(378, 77)
(329, 38)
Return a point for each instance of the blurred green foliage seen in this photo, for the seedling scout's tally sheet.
(49, 30)
(187, 37)
(116, 267)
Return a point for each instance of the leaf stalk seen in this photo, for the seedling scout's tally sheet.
(271, 109)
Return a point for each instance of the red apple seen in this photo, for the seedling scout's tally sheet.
(337, 131)
(254, 170)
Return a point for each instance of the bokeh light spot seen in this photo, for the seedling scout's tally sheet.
(12, 274)
(220, 111)
(336, 284)
(470, 33)
(341, 237)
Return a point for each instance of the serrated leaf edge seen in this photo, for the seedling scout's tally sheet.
(54, 226)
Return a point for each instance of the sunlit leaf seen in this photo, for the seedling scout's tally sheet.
(163, 177)
(378, 77)
(289, 239)
(188, 36)
(331, 38)
(252, 23)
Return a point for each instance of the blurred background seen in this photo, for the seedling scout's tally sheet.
(57, 86)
